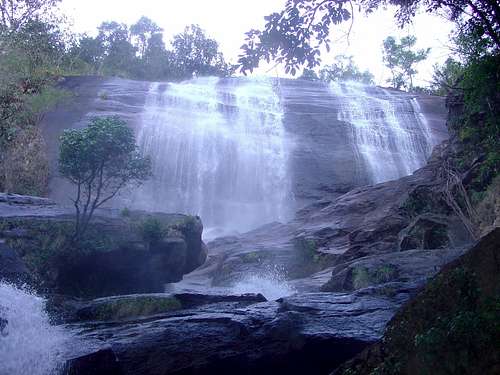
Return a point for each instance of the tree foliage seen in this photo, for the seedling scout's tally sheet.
(309, 75)
(295, 35)
(401, 59)
(139, 52)
(195, 53)
(30, 58)
(344, 69)
(100, 160)
(142, 32)
(16, 13)
(446, 77)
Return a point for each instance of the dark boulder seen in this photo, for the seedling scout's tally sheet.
(451, 327)
(12, 268)
(102, 362)
(118, 254)
(306, 333)
(406, 266)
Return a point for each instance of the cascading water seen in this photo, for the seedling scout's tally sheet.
(218, 150)
(29, 344)
(390, 136)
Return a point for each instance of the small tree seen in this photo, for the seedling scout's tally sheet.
(446, 77)
(345, 69)
(100, 160)
(309, 75)
(195, 53)
(142, 31)
(401, 60)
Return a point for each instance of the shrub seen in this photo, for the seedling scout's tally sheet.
(24, 167)
(134, 307)
(152, 230)
(363, 277)
(100, 160)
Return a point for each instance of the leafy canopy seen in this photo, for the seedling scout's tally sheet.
(195, 53)
(16, 13)
(296, 35)
(139, 52)
(344, 69)
(100, 160)
(401, 59)
(106, 146)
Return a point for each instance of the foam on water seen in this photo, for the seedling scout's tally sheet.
(29, 344)
(270, 283)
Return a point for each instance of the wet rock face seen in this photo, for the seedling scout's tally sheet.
(215, 334)
(323, 155)
(102, 362)
(407, 266)
(378, 223)
(134, 268)
(449, 327)
(333, 154)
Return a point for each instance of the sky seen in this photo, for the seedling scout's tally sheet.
(228, 20)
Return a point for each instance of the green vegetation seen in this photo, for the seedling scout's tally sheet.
(449, 316)
(488, 207)
(100, 160)
(308, 259)
(43, 243)
(253, 257)
(31, 56)
(446, 78)
(465, 336)
(296, 34)
(133, 307)
(344, 69)
(138, 51)
(451, 327)
(152, 230)
(479, 126)
(306, 248)
(47, 245)
(360, 278)
(363, 277)
(36, 50)
(401, 60)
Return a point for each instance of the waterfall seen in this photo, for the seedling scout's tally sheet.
(390, 136)
(219, 151)
(29, 344)
(242, 152)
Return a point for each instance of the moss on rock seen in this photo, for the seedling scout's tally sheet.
(451, 327)
(129, 307)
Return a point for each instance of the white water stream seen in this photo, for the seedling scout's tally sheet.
(29, 344)
(219, 151)
(389, 133)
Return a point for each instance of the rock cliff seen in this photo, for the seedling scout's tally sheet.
(117, 255)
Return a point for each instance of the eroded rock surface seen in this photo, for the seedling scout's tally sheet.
(307, 332)
(346, 263)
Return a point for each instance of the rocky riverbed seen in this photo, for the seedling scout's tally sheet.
(344, 262)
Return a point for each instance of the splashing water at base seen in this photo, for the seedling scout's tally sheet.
(28, 343)
(271, 284)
